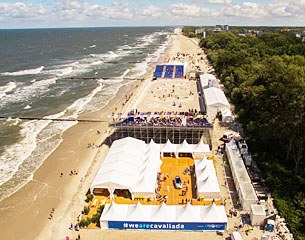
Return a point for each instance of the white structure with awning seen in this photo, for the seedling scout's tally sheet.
(198, 150)
(215, 100)
(208, 80)
(164, 217)
(128, 161)
(206, 179)
(168, 147)
(133, 165)
(187, 213)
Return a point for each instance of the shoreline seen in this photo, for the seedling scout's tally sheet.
(31, 206)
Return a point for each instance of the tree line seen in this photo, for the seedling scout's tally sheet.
(265, 80)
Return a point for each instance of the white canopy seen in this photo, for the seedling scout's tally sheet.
(168, 147)
(215, 100)
(131, 164)
(125, 167)
(208, 80)
(200, 149)
(113, 211)
(138, 212)
(213, 213)
(206, 179)
(184, 147)
(188, 213)
(162, 214)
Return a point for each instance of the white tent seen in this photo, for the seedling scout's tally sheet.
(215, 100)
(200, 149)
(112, 212)
(188, 213)
(152, 217)
(138, 212)
(124, 168)
(206, 78)
(163, 213)
(144, 187)
(213, 213)
(206, 179)
(168, 147)
(133, 165)
(184, 147)
(201, 165)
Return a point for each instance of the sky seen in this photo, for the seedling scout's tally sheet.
(104, 13)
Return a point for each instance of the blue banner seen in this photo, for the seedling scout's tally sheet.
(167, 226)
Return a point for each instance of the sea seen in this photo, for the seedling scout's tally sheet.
(62, 73)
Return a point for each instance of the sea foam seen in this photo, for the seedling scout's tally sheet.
(7, 88)
(31, 151)
(24, 72)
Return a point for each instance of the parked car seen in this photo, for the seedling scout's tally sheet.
(178, 182)
(227, 136)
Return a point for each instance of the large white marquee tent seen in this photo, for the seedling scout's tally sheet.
(208, 80)
(198, 150)
(215, 100)
(125, 216)
(130, 164)
(206, 179)
(133, 165)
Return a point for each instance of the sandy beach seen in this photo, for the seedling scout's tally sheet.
(45, 207)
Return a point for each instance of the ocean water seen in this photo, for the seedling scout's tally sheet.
(36, 67)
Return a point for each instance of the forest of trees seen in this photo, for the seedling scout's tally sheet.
(265, 80)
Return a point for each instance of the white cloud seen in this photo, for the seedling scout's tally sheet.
(292, 8)
(85, 13)
(153, 11)
(125, 4)
(77, 9)
(215, 1)
(185, 10)
(247, 9)
(20, 10)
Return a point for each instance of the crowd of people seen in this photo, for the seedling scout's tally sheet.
(191, 118)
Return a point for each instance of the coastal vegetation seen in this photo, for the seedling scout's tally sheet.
(265, 80)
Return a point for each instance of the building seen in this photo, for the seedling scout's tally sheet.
(199, 30)
(221, 28)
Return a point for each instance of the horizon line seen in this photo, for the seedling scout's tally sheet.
(165, 26)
